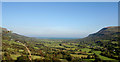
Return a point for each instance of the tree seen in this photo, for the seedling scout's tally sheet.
(7, 56)
(88, 57)
(23, 59)
(96, 58)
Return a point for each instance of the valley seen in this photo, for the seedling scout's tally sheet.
(97, 47)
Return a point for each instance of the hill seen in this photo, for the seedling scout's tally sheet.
(6, 34)
(107, 33)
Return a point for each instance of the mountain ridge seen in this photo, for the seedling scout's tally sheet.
(106, 33)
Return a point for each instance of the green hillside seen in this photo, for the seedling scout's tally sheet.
(107, 33)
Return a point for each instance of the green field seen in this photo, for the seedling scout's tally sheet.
(102, 57)
(85, 50)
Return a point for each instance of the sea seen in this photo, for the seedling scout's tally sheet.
(55, 38)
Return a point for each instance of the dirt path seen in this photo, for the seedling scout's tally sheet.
(27, 50)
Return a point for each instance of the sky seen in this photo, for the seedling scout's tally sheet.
(60, 0)
(58, 19)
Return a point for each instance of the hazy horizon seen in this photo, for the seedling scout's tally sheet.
(63, 19)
